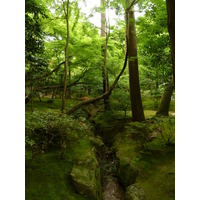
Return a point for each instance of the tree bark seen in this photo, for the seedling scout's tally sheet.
(69, 88)
(135, 96)
(163, 108)
(31, 97)
(171, 29)
(53, 93)
(108, 93)
(66, 55)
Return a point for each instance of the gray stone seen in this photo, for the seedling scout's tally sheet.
(134, 193)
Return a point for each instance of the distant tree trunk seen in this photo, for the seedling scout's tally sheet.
(136, 101)
(27, 100)
(31, 97)
(126, 27)
(66, 55)
(69, 89)
(171, 28)
(104, 52)
(39, 97)
(163, 108)
(53, 94)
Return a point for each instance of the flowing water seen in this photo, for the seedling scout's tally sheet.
(111, 187)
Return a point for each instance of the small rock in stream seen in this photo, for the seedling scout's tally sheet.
(112, 190)
(134, 193)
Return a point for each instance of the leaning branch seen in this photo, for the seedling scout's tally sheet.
(106, 94)
(48, 74)
(133, 2)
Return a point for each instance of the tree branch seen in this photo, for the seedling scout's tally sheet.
(133, 2)
(106, 94)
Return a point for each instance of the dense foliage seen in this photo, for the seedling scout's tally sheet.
(74, 137)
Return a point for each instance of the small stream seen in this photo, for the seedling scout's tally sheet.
(111, 187)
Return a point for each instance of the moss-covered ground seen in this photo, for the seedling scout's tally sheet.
(48, 176)
(155, 163)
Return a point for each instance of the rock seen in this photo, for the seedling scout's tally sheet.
(97, 142)
(134, 193)
(127, 172)
(86, 178)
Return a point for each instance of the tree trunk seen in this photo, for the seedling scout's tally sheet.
(171, 28)
(53, 93)
(66, 56)
(163, 108)
(136, 101)
(31, 97)
(104, 52)
(69, 88)
(39, 97)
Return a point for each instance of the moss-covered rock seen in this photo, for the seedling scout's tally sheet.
(85, 176)
(124, 147)
(127, 171)
(134, 193)
(97, 142)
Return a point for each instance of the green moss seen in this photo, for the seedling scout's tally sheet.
(47, 178)
(150, 104)
(49, 104)
(85, 172)
(155, 164)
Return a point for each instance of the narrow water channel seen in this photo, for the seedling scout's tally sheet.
(111, 187)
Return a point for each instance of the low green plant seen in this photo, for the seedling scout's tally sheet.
(140, 132)
(50, 101)
(165, 126)
(47, 130)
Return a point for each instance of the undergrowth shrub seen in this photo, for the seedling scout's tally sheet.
(140, 133)
(165, 126)
(45, 131)
(50, 101)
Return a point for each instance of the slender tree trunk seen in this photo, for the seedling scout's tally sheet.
(31, 97)
(66, 55)
(53, 93)
(69, 89)
(163, 108)
(171, 28)
(39, 97)
(104, 52)
(136, 101)
(126, 28)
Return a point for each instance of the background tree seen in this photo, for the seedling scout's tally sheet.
(136, 101)
(35, 63)
(171, 29)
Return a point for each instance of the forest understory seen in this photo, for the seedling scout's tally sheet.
(107, 142)
(100, 100)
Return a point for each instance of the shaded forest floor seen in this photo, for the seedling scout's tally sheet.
(49, 177)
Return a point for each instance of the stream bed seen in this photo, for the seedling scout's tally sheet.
(112, 190)
(111, 187)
